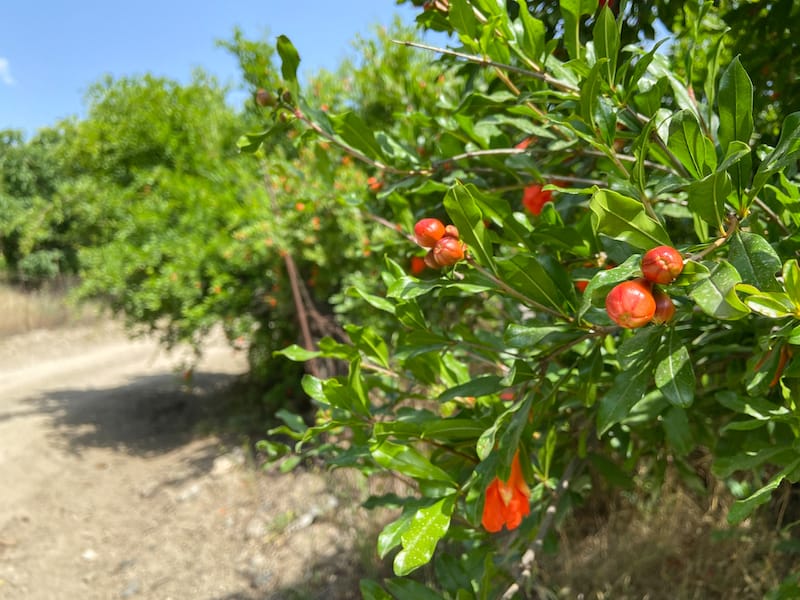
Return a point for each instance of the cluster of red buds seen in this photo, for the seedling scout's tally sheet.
(445, 247)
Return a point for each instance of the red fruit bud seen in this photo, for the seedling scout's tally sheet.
(448, 251)
(428, 232)
(630, 304)
(665, 309)
(451, 231)
(662, 264)
(264, 98)
(417, 265)
(581, 284)
(374, 184)
(430, 260)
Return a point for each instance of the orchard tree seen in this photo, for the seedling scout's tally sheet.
(611, 285)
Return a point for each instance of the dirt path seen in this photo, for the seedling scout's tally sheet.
(108, 491)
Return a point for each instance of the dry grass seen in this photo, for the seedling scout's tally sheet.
(678, 547)
(45, 308)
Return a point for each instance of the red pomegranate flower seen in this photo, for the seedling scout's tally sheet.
(507, 502)
(534, 198)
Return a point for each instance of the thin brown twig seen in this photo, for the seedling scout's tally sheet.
(733, 227)
(551, 81)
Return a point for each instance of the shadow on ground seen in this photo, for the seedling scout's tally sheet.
(149, 415)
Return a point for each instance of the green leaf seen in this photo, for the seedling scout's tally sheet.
(371, 590)
(355, 133)
(791, 280)
(373, 300)
(716, 294)
(590, 94)
(462, 18)
(606, 42)
(408, 589)
(774, 305)
(297, 353)
(707, 197)
(755, 260)
(741, 509)
(724, 467)
(389, 537)
(735, 99)
(510, 424)
(784, 154)
(462, 207)
(290, 59)
(624, 219)
(533, 42)
(676, 428)
(687, 142)
(629, 387)
(638, 348)
(427, 527)
(674, 373)
(408, 461)
(477, 387)
(571, 12)
(369, 342)
(757, 408)
(526, 274)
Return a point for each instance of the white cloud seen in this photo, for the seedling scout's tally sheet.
(5, 72)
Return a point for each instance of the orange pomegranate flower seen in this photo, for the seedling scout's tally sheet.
(534, 198)
(506, 501)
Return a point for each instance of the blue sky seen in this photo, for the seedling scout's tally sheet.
(51, 51)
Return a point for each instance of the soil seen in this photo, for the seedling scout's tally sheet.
(109, 488)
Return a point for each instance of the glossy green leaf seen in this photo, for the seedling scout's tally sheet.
(372, 590)
(389, 537)
(591, 90)
(735, 100)
(745, 461)
(408, 589)
(755, 260)
(408, 461)
(741, 509)
(757, 408)
(676, 427)
(624, 218)
(629, 387)
(462, 18)
(791, 280)
(427, 527)
(357, 134)
(674, 372)
(693, 149)
(707, 196)
(784, 154)
(774, 305)
(526, 274)
(297, 353)
(638, 348)
(369, 342)
(571, 12)
(533, 41)
(716, 294)
(462, 207)
(290, 59)
(477, 387)
(606, 42)
(510, 424)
